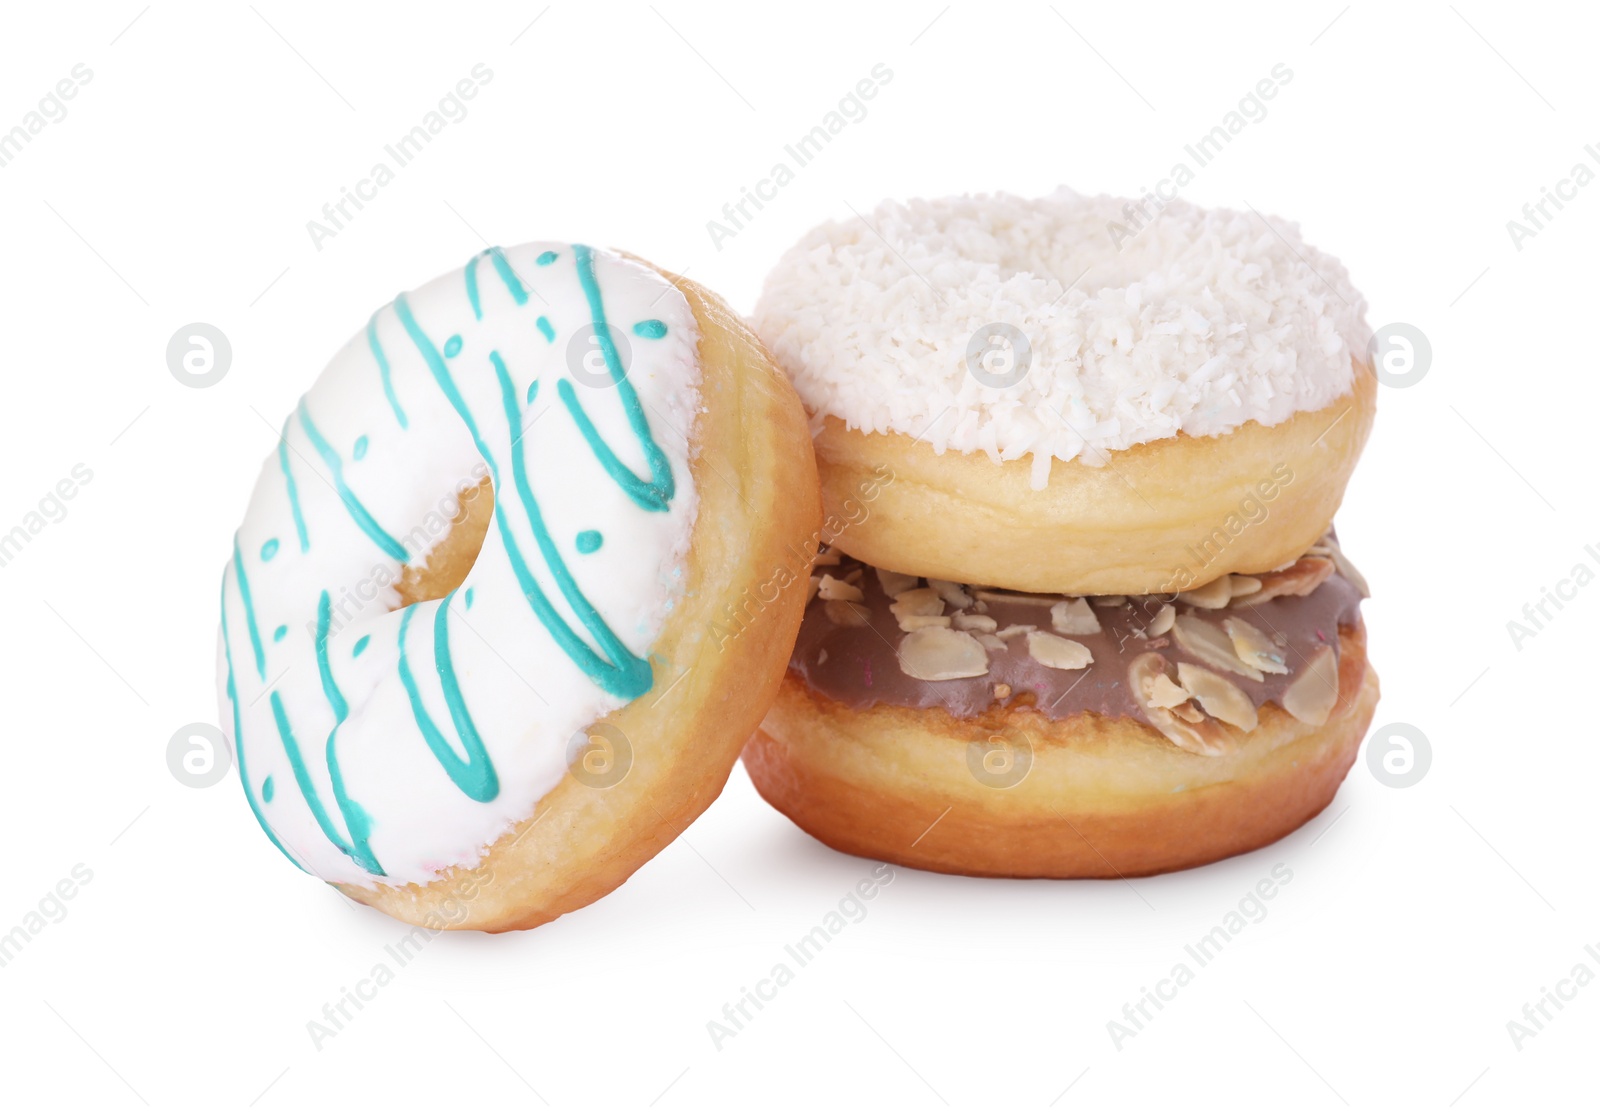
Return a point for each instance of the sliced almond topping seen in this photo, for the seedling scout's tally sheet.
(1162, 692)
(1107, 601)
(837, 590)
(1242, 585)
(1162, 621)
(855, 575)
(822, 657)
(1299, 578)
(1218, 697)
(921, 600)
(991, 642)
(845, 613)
(1182, 724)
(952, 593)
(1058, 652)
(989, 595)
(911, 622)
(1212, 596)
(1348, 570)
(1072, 615)
(1002, 691)
(1312, 695)
(1011, 631)
(895, 584)
(975, 623)
(1254, 647)
(942, 654)
(1209, 644)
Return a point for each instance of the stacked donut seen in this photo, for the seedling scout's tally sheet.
(1083, 613)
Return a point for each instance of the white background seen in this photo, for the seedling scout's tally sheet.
(177, 189)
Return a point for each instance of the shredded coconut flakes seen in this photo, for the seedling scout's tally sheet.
(1203, 321)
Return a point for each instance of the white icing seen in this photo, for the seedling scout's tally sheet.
(1202, 321)
(525, 695)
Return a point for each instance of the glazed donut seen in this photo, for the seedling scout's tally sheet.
(467, 655)
(995, 733)
(1066, 404)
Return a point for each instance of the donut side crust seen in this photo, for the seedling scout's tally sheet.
(759, 501)
(1157, 517)
(1101, 797)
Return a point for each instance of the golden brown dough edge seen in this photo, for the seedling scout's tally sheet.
(1102, 797)
(1157, 517)
(758, 496)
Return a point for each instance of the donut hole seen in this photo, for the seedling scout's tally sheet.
(452, 558)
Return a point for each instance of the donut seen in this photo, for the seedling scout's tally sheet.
(1075, 394)
(468, 654)
(989, 732)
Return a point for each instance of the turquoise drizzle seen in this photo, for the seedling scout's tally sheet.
(634, 671)
(383, 369)
(238, 736)
(288, 484)
(358, 512)
(472, 286)
(302, 776)
(657, 492)
(507, 275)
(601, 654)
(621, 674)
(356, 819)
(475, 776)
(249, 612)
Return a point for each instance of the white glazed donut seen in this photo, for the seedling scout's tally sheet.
(385, 746)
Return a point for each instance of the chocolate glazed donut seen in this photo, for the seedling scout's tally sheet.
(997, 733)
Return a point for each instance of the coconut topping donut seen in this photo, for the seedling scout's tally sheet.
(486, 549)
(1068, 406)
(989, 732)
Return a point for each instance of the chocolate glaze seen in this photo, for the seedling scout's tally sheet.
(858, 667)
